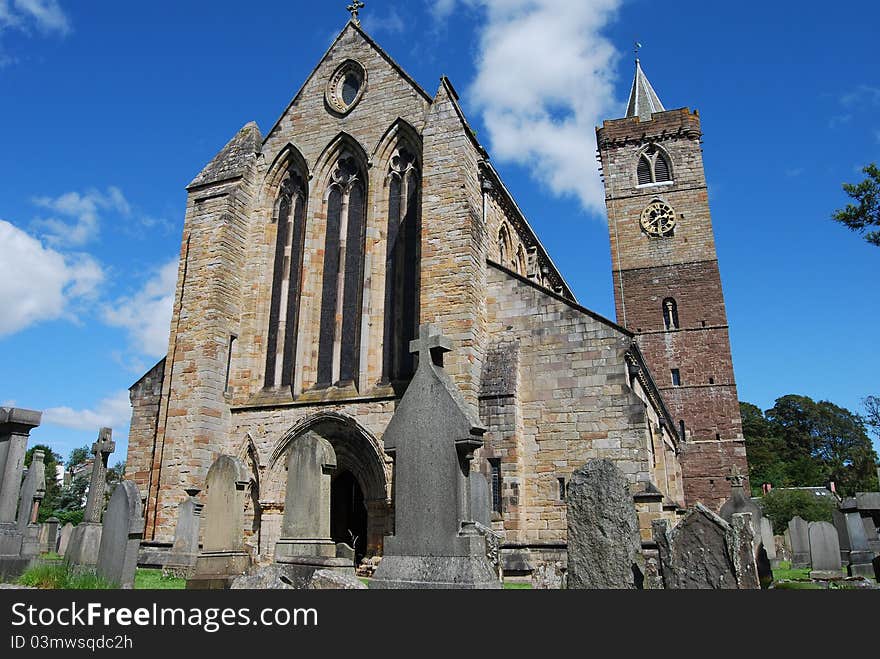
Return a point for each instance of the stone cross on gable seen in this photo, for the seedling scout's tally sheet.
(354, 8)
(430, 346)
(98, 483)
(736, 477)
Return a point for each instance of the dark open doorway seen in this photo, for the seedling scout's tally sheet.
(348, 513)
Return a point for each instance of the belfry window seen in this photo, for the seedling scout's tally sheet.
(401, 267)
(670, 314)
(286, 281)
(342, 288)
(676, 377)
(653, 167)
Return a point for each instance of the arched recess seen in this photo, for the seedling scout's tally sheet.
(357, 453)
(653, 165)
(253, 512)
(342, 170)
(399, 155)
(288, 184)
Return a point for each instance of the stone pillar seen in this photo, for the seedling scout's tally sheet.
(86, 539)
(15, 427)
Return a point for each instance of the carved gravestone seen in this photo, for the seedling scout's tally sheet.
(86, 539)
(860, 554)
(121, 536)
(740, 503)
(705, 552)
(185, 549)
(603, 530)
(64, 538)
(306, 544)
(432, 437)
(824, 551)
(15, 427)
(223, 556)
(49, 535)
(32, 492)
(799, 534)
(481, 510)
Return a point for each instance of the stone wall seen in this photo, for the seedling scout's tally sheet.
(145, 396)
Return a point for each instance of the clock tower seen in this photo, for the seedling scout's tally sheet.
(667, 284)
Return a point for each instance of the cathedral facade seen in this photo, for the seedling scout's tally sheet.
(311, 255)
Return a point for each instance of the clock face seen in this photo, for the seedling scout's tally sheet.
(658, 219)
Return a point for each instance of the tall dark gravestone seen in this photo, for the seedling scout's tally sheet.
(432, 438)
(15, 427)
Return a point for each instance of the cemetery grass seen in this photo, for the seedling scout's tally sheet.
(57, 575)
(146, 579)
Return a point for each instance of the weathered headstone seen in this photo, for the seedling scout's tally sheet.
(768, 541)
(799, 533)
(481, 510)
(432, 438)
(121, 536)
(782, 551)
(49, 535)
(33, 489)
(860, 554)
(185, 549)
(705, 552)
(64, 538)
(747, 565)
(824, 551)
(86, 539)
(306, 544)
(15, 427)
(223, 556)
(603, 530)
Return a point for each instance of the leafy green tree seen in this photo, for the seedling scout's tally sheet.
(53, 489)
(780, 506)
(765, 450)
(77, 457)
(872, 414)
(863, 215)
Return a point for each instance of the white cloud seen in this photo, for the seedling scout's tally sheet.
(147, 314)
(84, 210)
(47, 16)
(111, 412)
(39, 283)
(545, 80)
(441, 9)
(391, 23)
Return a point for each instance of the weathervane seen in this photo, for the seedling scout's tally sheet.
(354, 8)
(637, 49)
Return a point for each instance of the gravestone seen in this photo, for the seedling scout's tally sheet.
(86, 539)
(782, 551)
(705, 552)
(15, 427)
(185, 549)
(64, 538)
(223, 556)
(603, 530)
(824, 551)
(481, 509)
(750, 568)
(33, 489)
(799, 534)
(769, 542)
(860, 554)
(49, 535)
(306, 545)
(121, 536)
(432, 438)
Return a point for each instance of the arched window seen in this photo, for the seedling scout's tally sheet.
(286, 282)
(401, 267)
(670, 314)
(504, 251)
(342, 289)
(654, 167)
(521, 261)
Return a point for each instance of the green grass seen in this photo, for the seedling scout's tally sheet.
(145, 579)
(56, 575)
(785, 572)
(517, 585)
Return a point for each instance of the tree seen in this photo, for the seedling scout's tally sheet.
(872, 414)
(780, 506)
(865, 214)
(77, 457)
(53, 489)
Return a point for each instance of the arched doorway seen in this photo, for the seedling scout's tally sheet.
(348, 513)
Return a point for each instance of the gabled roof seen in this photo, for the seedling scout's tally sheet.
(643, 100)
(234, 159)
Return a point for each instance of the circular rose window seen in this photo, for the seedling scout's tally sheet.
(346, 87)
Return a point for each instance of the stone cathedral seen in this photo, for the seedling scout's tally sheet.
(311, 255)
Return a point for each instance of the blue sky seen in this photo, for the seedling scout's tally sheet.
(109, 109)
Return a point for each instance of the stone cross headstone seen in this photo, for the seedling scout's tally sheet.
(824, 551)
(432, 438)
(799, 533)
(32, 492)
(223, 556)
(64, 538)
(185, 549)
(86, 538)
(121, 536)
(603, 529)
(15, 427)
(705, 552)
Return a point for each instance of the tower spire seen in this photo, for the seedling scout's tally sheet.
(643, 100)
